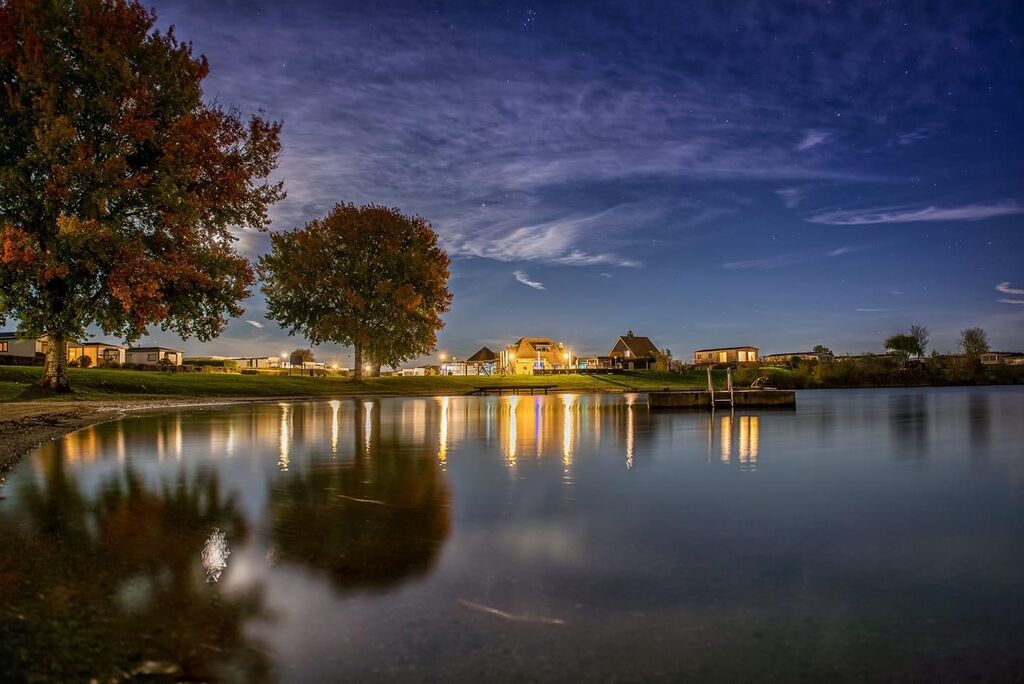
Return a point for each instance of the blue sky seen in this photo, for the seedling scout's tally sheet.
(705, 173)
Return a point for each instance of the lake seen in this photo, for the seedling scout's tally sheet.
(868, 534)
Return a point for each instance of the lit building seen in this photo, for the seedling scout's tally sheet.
(528, 355)
(735, 356)
(97, 352)
(634, 352)
(152, 356)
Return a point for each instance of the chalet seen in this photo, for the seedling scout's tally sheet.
(484, 362)
(153, 356)
(529, 354)
(99, 353)
(634, 352)
(15, 347)
(1002, 358)
(256, 361)
(782, 359)
(725, 355)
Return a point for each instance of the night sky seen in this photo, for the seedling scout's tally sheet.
(706, 173)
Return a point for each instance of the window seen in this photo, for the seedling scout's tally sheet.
(152, 357)
(723, 357)
(3, 346)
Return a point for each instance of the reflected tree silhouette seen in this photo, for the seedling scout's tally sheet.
(94, 586)
(369, 524)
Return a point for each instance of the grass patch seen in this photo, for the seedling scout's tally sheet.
(17, 384)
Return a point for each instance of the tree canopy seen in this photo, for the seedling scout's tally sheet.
(367, 277)
(973, 342)
(904, 344)
(119, 186)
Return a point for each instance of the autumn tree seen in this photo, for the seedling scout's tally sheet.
(973, 342)
(119, 186)
(367, 277)
(821, 349)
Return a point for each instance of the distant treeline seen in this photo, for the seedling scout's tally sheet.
(884, 372)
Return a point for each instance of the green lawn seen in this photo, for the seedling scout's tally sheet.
(16, 384)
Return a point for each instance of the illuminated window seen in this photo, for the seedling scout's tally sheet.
(3, 346)
(723, 357)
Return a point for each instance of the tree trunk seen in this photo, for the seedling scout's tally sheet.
(358, 347)
(374, 368)
(55, 366)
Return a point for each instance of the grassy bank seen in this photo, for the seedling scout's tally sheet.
(16, 384)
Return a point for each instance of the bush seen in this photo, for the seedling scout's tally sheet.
(82, 361)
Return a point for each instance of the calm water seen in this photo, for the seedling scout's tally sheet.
(866, 535)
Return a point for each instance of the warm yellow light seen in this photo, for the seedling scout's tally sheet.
(366, 367)
(566, 356)
(334, 366)
(442, 356)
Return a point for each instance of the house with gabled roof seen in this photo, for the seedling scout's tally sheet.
(635, 352)
(484, 362)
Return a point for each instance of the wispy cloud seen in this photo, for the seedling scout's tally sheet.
(792, 197)
(1011, 301)
(811, 139)
(1006, 289)
(870, 310)
(792, 258)
(914, 136)
(552, 242)
(524, 278)
(255, 324)
(968, 212)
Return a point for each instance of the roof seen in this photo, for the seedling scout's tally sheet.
(97, 344)
(709, 349)
(16, 336)
(525, 346)
(484, 354)
(152, 349)
(637, 345)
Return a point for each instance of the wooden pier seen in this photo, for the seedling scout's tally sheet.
(755, 397)
(512, 389)
(741, 398)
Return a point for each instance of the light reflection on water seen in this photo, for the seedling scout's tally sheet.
(869, 534)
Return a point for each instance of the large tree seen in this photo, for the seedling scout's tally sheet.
(119, 186)
(973, 342)
(366, 277)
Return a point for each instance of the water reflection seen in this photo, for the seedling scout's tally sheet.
(370, 523)
(908, 424)
(343, 540)
(85, 575)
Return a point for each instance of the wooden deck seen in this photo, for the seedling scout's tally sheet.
(512, 389)
(741, 398)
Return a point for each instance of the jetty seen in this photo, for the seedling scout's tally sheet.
(731, 397)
